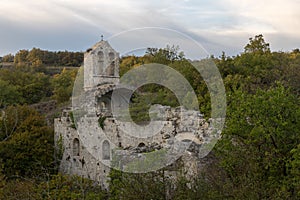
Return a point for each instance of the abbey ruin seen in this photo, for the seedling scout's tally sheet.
(93, 140)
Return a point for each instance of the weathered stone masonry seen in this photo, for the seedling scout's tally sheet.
(101, 75)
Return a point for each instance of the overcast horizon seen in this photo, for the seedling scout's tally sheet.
(226, 25)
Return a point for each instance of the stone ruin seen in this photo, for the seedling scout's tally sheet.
(92, 140)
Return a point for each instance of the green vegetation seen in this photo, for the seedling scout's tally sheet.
(23, 86)
(152, 185)
(26, 147)
(101, 122)
(258, 156)
(38, 58)
(56, 187)
(63, 85)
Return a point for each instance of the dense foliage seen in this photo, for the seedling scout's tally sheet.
(37, 58)
(258, 155)
(26, 147)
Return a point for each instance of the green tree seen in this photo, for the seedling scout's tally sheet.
(9, 94)
(63, 85)
(70, 187)
(35, 57)
(291, 71)
(32, 86)
(257, 45)
(21, 57)
(26, 143)
(295, 170)
(8, 58)
(152, 185)
(257, 65)
(261, 131)
(165, 55)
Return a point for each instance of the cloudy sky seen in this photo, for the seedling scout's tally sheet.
(220, 25)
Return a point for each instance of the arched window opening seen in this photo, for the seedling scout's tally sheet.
(100, 55)
(98, 69)
(106, 150)
(111, 56)
(111, 69)
(76, 147)
(103, 106)
(141, 144)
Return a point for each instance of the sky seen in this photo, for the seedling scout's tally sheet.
(219, 25)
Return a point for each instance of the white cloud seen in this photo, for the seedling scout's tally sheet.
(228, 22)
(268, 16)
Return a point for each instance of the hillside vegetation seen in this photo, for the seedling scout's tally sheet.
(258, 156)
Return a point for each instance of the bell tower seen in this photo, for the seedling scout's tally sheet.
(101, 65)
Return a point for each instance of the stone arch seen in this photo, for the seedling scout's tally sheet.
(105, 150)
(103, 104)
(141, 144)
(76, 147)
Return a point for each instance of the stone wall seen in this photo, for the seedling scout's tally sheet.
(89, 148)
(76, 159)
(84, 154)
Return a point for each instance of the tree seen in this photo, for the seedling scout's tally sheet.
(9, 94)
(8, 58)
(291, 72)
(32, 86)
(295, 170)
(261, 131)
(21, 57)
(257, 65)
(166, 55)
(257, 45)
(152, 185)
(26, 143)
(56, 187)
(35, 57)
(70, 187)
(63, 85)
